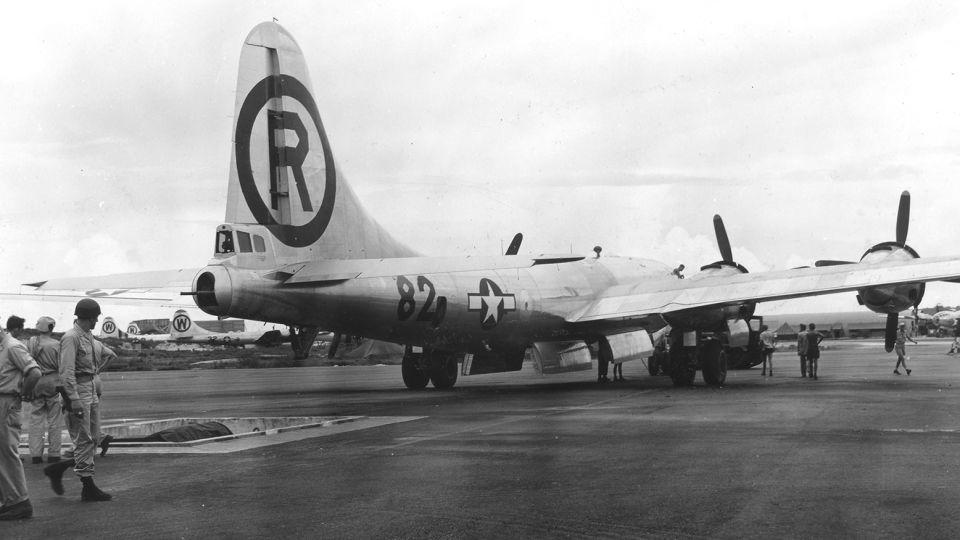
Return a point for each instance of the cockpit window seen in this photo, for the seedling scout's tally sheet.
(258, 244)
(243, 239)
(224, 242)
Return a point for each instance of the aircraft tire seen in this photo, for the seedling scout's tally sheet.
(444, 376)
(414, 377)
(683, 370)
(653, 366)
(714, 362)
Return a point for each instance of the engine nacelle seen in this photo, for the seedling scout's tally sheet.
(712, 319)
(890, 298)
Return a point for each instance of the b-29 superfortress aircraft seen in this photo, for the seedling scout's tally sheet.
(298, 248)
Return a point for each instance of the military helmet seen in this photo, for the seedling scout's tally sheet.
(87, 308)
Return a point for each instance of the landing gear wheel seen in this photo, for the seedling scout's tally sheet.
(444, 376)
(714, 362)
(683, 362)
(653, 366)
(413, 375)
(683, 375)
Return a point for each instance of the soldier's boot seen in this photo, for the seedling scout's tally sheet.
(20, 510)
(91, 493)
(105, 444)
(55, 474)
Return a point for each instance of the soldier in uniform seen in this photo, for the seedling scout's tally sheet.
(901, 348)
(80, 356)
(802, 349)
(19, 374)
(46, 413)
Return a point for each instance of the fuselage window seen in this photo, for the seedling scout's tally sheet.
(243, 239)
(224, 242)
(258, 244)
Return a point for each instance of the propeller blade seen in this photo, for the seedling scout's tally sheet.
(334, 345)
(832, 263)
(722, 241)
(890, 337)
(514, 244)
(903, 218)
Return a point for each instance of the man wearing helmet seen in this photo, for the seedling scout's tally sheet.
(45, 413)
(80, 357)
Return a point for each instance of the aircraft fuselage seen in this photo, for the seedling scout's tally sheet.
(465, 311)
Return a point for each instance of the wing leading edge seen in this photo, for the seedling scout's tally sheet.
(639, 299)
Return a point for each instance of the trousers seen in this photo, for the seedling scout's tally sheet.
(84, 431)
(46, 417)
(13, 484)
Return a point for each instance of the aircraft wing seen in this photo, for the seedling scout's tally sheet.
(315, 272)
(639, 299)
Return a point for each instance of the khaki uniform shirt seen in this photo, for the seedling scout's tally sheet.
(46, 351)
(15, 362)
(81, 354)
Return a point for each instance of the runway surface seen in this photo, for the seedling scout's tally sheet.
(859, 453)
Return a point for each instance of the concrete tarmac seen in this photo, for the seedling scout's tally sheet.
(859, 453)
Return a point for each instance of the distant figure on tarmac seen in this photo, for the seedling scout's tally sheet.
(603, 365)
(802, 349)
(46, 416)
(813, 350)
(901, 348)
(678, 271)
(955, 346)
(768, 339)
(617, 371)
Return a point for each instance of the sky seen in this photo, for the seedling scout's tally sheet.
(621, 124)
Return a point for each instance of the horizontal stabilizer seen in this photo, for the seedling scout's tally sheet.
(180, 279)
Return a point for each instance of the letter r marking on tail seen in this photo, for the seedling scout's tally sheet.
(287, 156)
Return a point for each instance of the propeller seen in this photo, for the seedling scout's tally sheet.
(514, 246)
(903, 225)
(829, 262)
(723, 242)
(903, 218)
(890, 336)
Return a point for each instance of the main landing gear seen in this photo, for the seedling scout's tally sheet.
(707, 355)
(435, 366)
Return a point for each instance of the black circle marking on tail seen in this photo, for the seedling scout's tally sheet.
(261, 93)
(181, 322)
(108, 327)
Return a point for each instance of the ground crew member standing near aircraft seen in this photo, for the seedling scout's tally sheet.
(768, 340)
(80, 355)
(19, 374)
(46, 414)
(901, 348)
(802, 349)
(813, 350)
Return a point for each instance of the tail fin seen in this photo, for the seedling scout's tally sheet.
(181, 326)
(109, 328)
(282, 172)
